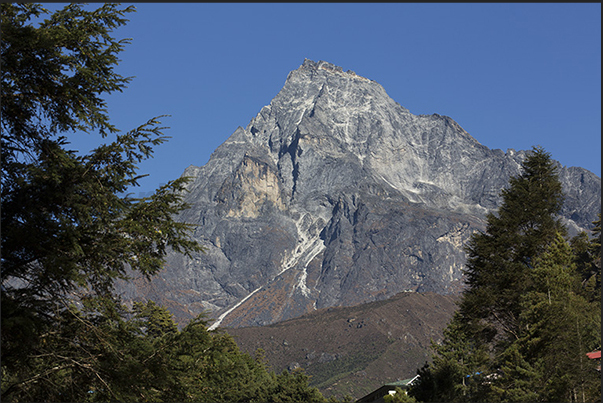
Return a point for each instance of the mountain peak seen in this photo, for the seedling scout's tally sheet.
(335, 195)
(312, 67)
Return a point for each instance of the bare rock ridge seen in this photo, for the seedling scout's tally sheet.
(335, 195)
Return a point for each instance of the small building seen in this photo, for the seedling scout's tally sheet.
(389, 388)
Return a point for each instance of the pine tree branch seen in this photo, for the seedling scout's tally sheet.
(33, 379)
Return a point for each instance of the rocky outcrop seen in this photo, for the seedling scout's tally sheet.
(335, 195)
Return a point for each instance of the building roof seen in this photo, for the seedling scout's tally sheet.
(594, 355)
(403, 383)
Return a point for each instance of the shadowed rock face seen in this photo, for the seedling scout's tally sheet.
(335, 195)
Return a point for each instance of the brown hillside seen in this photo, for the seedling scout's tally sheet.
(354, 350)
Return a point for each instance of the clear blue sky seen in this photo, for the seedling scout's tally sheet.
(512, 75)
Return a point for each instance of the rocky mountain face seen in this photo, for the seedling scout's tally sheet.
(335, 195)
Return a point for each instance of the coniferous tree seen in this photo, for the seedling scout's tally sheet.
(588, 260)
(458, 368)
(500, 261)
(528, 315)
(68, 230)
(548, 362)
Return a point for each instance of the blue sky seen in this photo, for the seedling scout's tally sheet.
(513, 75)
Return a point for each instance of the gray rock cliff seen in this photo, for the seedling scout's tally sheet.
(335, 195)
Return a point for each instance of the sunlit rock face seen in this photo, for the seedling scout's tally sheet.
(335, 195)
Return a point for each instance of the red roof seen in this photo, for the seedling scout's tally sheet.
(594, 355)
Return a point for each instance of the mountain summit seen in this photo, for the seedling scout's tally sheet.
(335, 195)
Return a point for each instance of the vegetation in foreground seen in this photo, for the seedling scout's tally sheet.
(68, 231)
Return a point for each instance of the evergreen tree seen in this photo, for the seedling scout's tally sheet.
(549, 363)
(457, 370)
(156, 320)
(500, 261)
(88, 354)
(68, 231)
(207, 366)
(588, 260)
(527, 316)
(293, 387)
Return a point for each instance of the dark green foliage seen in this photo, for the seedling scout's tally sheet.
(54, 75)
(92, 355)
(588, 261)
(293, 387)
(500, 260)
(87, 354)
(209, 367)
(156, 321)
(548, 362)
(68, 232)
(456, 374)
(531, 310)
